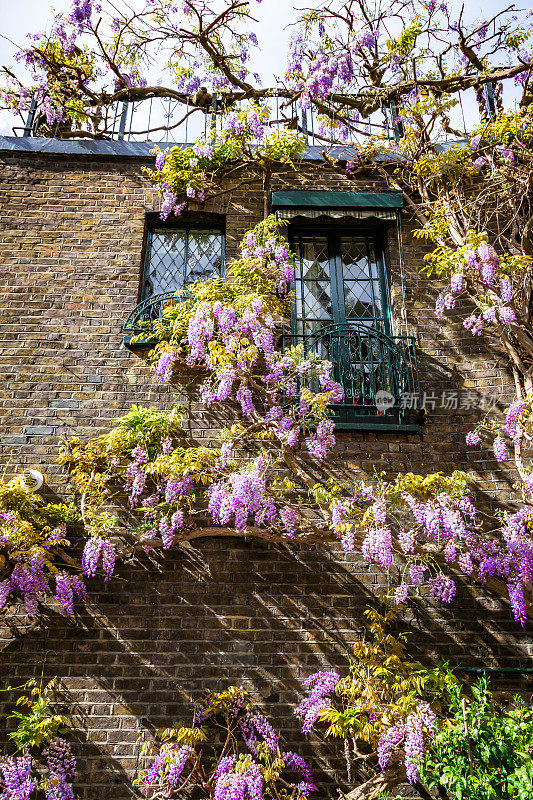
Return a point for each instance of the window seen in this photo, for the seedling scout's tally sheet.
(178, 256)
(340, 277)
(175, 255)
(341, 313)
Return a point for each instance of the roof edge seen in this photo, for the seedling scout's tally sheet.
(33, 145)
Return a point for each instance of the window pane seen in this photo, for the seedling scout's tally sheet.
(317, 299)
(323, 295)
(358, 300)
(355, 265)
(176, 257)
(165, 265)
(362, 289)
(314, 259)
(204, 256)
(312, 282)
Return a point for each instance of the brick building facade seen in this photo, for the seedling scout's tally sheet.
(73, 232)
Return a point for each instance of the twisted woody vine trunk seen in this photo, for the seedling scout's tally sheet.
(472, 199)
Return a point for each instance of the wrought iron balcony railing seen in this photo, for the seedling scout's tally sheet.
(139, 326)
(379, 374)
(178, 121)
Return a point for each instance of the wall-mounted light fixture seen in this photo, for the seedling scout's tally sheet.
(32, 479)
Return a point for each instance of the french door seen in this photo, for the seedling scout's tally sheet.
(341, 312)
(339, 278)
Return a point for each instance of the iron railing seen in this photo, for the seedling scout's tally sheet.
(139, 325)
(179, 121)
(378, 372)
(164, 120)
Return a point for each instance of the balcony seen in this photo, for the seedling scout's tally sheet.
(139, 326)
(379, 375)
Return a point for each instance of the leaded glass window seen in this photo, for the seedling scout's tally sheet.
(339, 278)
(178, 256)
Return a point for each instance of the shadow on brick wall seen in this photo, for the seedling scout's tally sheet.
(155, 637)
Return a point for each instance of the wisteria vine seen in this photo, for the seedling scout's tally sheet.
(250, 765)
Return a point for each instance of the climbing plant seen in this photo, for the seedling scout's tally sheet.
(42, 763)
(143, 486)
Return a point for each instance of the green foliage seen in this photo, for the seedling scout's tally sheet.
(95, 465)
(37, 723)
(404, 44)
(426, 487)
(66, 72)
(446, 260)
(282, 145)
(143, 427)
(202, 166)
(382, 686)
(485, 751)
(509, 127)
(451, 165)
(28, 526)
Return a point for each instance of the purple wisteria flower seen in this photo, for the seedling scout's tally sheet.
(445, 302)
(473, 438)
(506, 289)
(164, 367)
(500, 450)
(401, 592)
(507, 315)
(297, 764)
(367, 39)
(319, 685)
(512, 418)
(178, 761)
(95, 548)
(457, 282)
(67, 587)
(18, 782)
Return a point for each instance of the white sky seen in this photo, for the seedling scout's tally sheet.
(20, 17)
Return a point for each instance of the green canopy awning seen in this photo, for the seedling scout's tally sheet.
(319, 198)
(319, 202)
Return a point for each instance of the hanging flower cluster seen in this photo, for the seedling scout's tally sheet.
(62, 770)
(410, 734)
(384, 701)
(319, 685)
(432, 523)
(251, 765)
(477, 270)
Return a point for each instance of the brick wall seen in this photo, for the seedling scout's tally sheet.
(71, 234)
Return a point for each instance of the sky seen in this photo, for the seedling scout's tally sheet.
(20, 17)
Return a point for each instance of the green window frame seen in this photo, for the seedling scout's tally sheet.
(341, 312)
(340, 277)
(179, 253)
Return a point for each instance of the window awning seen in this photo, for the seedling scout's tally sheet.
(321, 203)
